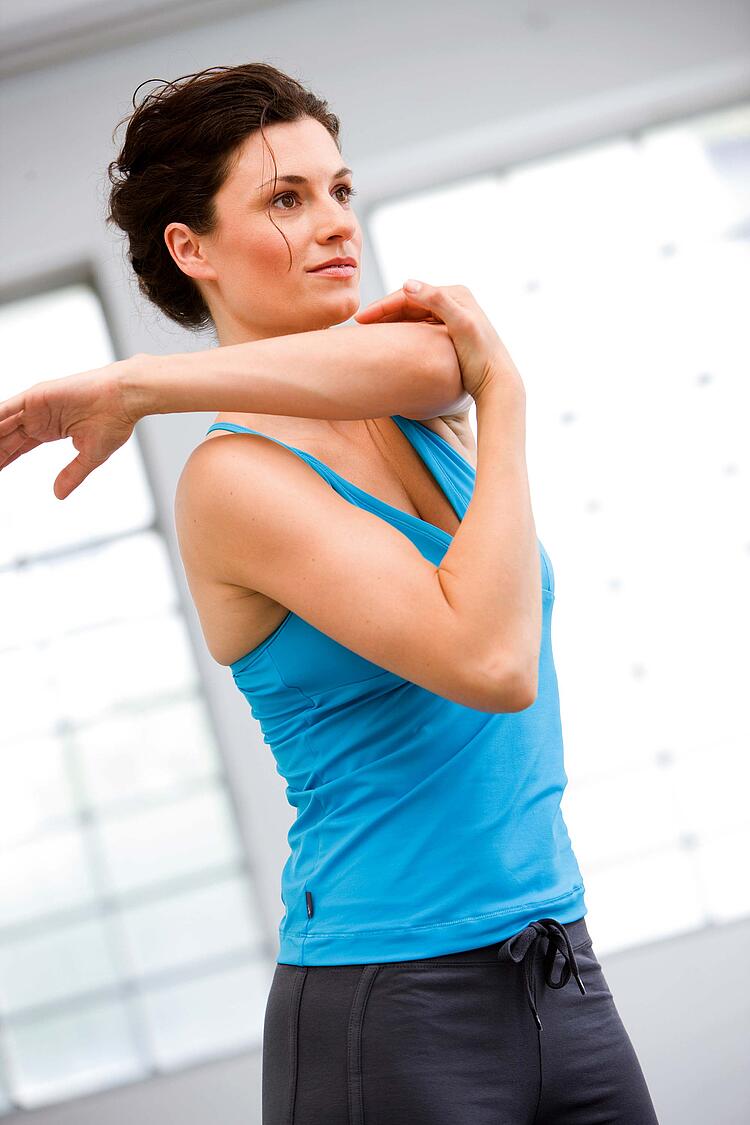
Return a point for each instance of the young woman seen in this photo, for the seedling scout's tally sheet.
(375, 584)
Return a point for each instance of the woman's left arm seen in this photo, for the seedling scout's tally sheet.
(359, 371)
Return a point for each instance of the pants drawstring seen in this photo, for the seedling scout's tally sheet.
(515, 948)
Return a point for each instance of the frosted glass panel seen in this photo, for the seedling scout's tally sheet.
(189, 928)
(712, 787)
(5, 1103)
(168, 840)
(652, 897)
(55, 964)
(122, 579)
(621, 815)
(220, 1012)
(36, 791)
(722, 863)
(50, 874)
(71, 1054)
(148, 753)
(116, 496)
(97, 670)
(27, 708)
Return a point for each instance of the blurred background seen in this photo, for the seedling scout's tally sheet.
(585, 168)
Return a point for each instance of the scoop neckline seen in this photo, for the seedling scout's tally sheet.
(375, 501)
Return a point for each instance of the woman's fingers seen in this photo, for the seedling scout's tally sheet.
(13, 441)
(8, 454)
(9, 422)
(381, 312)
(421, 303)
(9, 439)
(74, 474)
(11, 408)
(375, 310)
(394, 306)
(434, 300)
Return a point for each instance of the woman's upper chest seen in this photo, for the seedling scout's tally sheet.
(379, 459)
(383, 464)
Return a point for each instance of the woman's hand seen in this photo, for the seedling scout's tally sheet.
(92, 408)
(482, 356)
(397, 306)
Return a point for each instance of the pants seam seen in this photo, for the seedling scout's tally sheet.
(354, 1043)
(295, 1001)
(541, 1075)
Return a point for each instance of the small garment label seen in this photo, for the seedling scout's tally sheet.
(308, 898)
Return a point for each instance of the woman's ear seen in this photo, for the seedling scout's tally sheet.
(188, 252)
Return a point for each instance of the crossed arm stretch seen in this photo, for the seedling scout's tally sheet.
(351, 372)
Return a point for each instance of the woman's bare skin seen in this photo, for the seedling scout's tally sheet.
(372, 454)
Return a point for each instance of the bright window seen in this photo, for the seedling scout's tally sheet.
(129, 937)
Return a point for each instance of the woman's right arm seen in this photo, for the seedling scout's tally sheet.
(491, 572)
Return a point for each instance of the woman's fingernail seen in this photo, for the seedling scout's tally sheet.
(412, 286)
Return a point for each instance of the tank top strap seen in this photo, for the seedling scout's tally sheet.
(236, 428)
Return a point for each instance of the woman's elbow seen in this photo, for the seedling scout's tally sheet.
(443, 371)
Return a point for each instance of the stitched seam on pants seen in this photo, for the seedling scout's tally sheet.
(541, 1074)
(354, 1043)
(295, 1001)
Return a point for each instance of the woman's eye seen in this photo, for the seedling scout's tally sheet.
(284, 196)
(350, 191)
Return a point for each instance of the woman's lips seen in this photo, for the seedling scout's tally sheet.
(335, 271)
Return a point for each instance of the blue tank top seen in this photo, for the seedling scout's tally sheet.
(423, 827)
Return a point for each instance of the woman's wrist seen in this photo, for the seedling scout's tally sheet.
(161, 384)
(505, 385)
(132, 376)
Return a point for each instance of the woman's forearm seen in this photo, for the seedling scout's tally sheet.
(490, 573)
(352, 372)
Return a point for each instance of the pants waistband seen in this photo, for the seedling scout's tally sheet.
(577, 932)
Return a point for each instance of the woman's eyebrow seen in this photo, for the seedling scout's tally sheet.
(302, 179)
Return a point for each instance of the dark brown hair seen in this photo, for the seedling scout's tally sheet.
(180, 145)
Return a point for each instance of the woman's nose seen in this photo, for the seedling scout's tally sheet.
(344, 221)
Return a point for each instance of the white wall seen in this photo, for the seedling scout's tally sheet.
(423, 89)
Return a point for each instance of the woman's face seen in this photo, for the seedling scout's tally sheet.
(243, 267)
